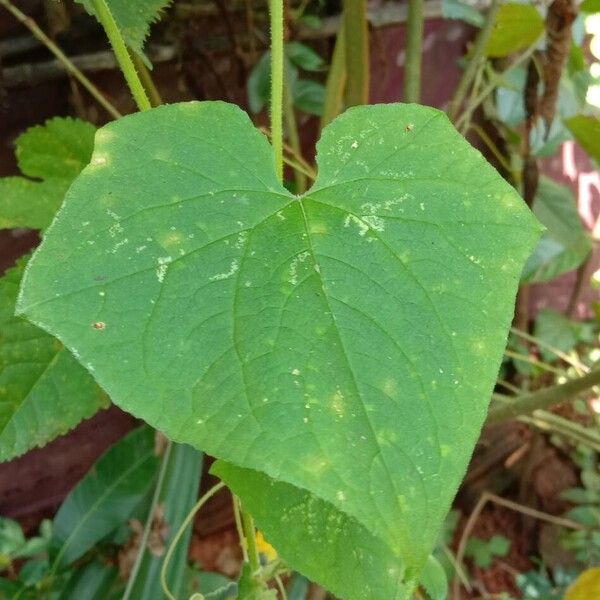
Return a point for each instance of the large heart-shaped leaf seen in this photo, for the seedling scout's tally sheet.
(345, 342)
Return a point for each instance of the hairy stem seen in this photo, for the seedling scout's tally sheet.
(122, 54)
(477, 56)
(414, 51)
(357, 52)
(146, 79)
(277, 59)
(62, 58)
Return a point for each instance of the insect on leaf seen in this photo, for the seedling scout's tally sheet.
(343, 344)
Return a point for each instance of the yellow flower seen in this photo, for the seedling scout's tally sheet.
(264, 547)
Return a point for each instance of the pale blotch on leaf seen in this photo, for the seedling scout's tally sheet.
(163, 264)
(233, 269)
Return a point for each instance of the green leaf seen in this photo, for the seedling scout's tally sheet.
(298, 587)
(555, 329)
(133, 17)
(325, 340)
(213, 586)
(44, 391)
(517, 27)
(12, 538)
(177, 496)
(587, 133)
(565, 243)
(309, 96)
(94, 581)
(106, 497)
(304, 56)
(483, 551)
(259, 86)
(590, 6)
(54, 153)
(455, 9)
(336, 550)
(433, 579)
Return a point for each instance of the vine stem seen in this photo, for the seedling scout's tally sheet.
(476, 57)
(62, 58)
(525, 405)
(489, 88)
(250, 537)
(276, 15)
(122, 54)
(414, 51)
(357, 52)
(165, 566)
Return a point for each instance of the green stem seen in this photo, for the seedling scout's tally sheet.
(146, 79)
(477, 56)
(150, 519)
(250, 537)
(545, 398)
(294, 139)
(357, 52)
(414, 51)
(165, 566)
(276, 13)
(238, 526)
(121, 53)
(336, 80)
(496, 79)
(62, 58)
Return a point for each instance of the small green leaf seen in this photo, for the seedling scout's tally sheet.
(37, 375)
(434, 580)
(309, 96)
(587, 133)
(106, 497)
(12, 538)
(556, 330)
(54, 153)
(94, 581)
(483, 551)
(298, 587)
(517, 27)
(325, 340)
(456, 9)
(133, 18)
(565, 243)
(304, 57)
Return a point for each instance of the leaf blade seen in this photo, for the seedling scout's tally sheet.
(36, 374)
(308, 312)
